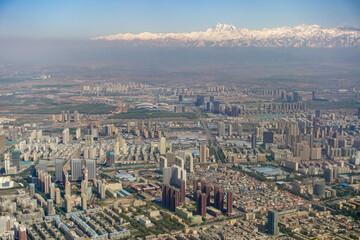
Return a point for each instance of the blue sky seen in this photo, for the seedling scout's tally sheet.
(83, 19)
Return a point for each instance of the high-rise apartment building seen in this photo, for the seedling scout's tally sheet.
(91, 167)
(229, 203)
(59, 170)
(43, 165)
(162, 147)
(65, 136)
(273, 221)
(15, 157)
(203, 154)
(76, 170)
(78, 133)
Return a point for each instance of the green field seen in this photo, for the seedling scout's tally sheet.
(147, 114)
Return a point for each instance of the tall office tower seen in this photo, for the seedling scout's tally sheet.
(103, 190)
(207, 192)
(50, 207)
(163, 163)
(221, 200)
(273, 221)
(110, 158)
(203, 153)
(268, 137)
(203, 204)
(191, 163)
(91, 167)
(52, 191)
(253, 141)
(15, 157)
(163, 194)
(229, 203)
(68, 204)
(40, 180)
(182, 191)
(177, 199)
(216, 196)
(32, 189)
(195, 185)
(2, 142)
(78, 133)
(221, 129)
(43, 165)
(329, 175)
(171, 199)
(65, 136)
(76, 116)
(57, 196)
(198, 201)
(59, 170)
(76, 170)
(84, 201)
(47, 183)
(162, 145)
(180, 162)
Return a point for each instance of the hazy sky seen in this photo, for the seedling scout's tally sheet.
(83, 19)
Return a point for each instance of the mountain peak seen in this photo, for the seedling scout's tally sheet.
(219, 27)
(226, 35)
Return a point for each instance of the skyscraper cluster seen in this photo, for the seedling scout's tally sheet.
(173, 187)
(202, 198)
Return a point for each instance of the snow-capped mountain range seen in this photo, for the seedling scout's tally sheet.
(224, 35)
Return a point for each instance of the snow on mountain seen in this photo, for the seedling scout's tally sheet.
(224, 35)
